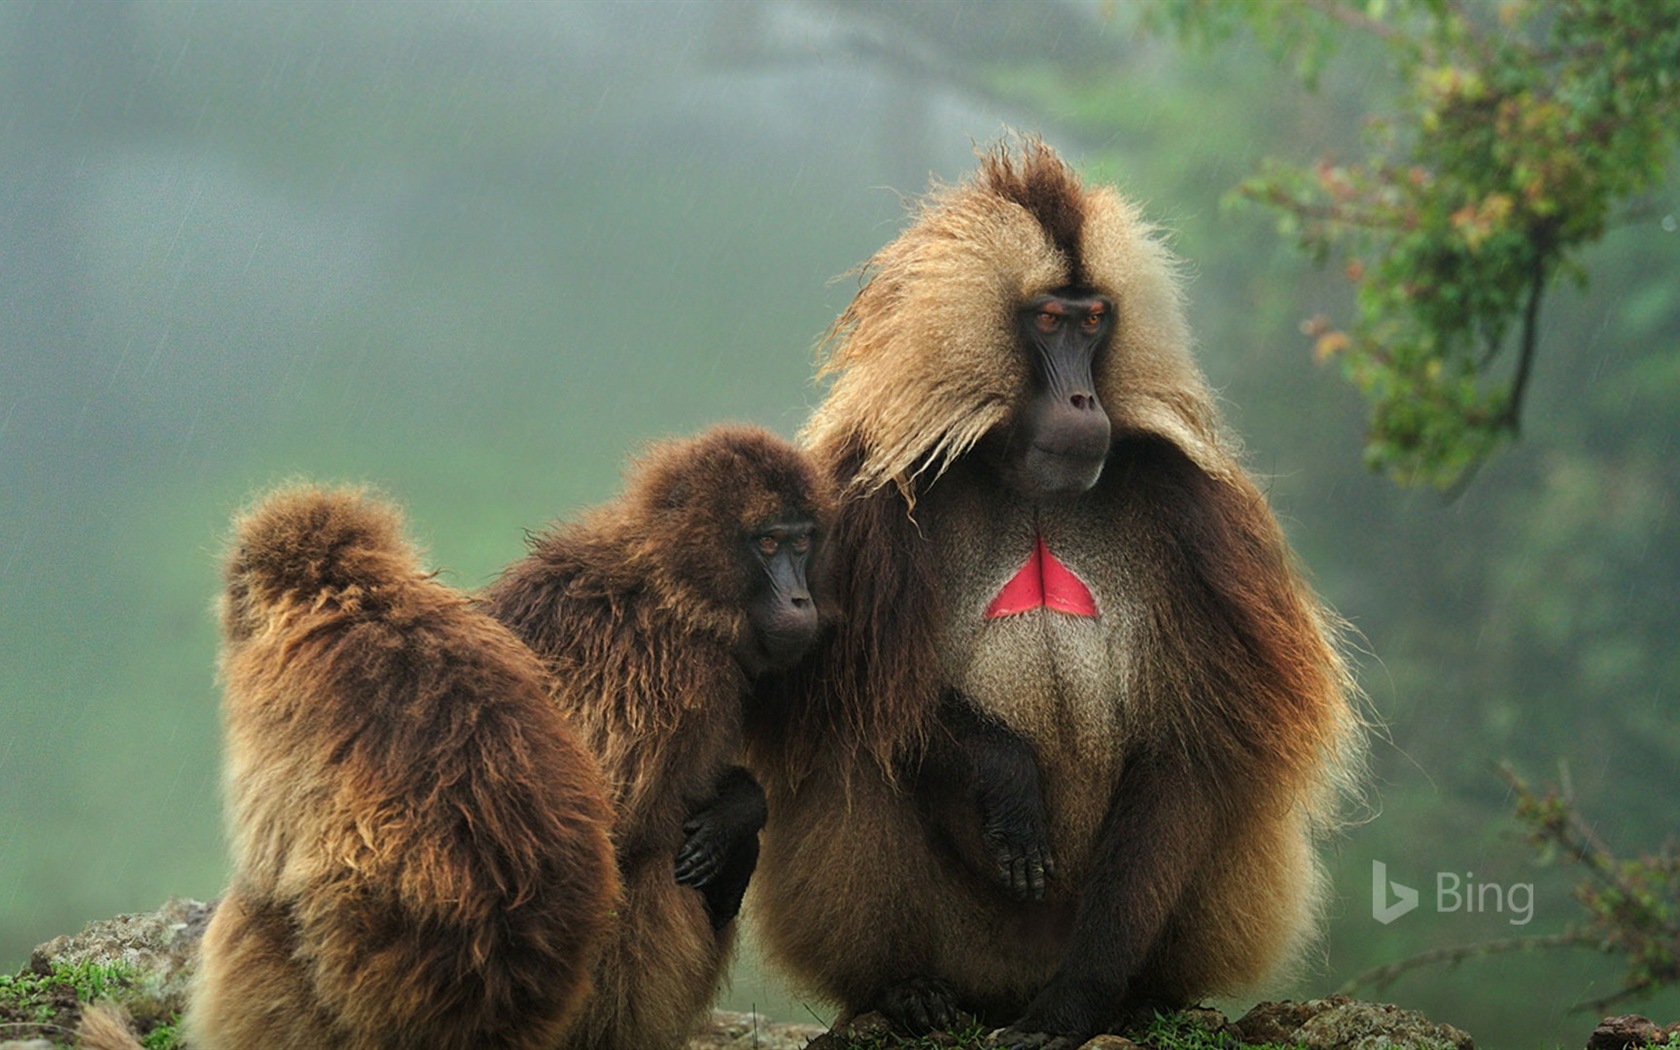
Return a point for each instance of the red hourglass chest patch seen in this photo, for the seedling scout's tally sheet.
(1043, 581)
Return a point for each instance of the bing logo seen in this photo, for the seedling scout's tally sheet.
(1405, 898)
(1452, 893)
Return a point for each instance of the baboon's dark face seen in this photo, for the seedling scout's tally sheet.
(781, 615)
(1057, 441)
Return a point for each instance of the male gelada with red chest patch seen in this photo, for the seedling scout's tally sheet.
(1067, 752)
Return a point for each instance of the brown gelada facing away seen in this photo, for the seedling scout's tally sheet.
(420, 840)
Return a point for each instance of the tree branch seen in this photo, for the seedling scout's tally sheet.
(1383, 976)
(1355, 20)
(1472, 32)
(1602, 1006)
(1336, 214)
(1510, 419)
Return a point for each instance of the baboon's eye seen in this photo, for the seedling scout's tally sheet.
(801, 544)
(767, 546)
(1047, 321)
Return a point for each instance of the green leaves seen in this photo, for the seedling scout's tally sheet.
(1632, 904)
(46, 1004)
(1518, 130)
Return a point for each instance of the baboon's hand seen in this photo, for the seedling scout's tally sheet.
(1001, 771)
(1016, 832)
(706, 843)
(721, 828)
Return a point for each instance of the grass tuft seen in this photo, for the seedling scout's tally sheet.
(48, 1005)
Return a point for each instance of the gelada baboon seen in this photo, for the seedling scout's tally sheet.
(420, 842)
(655, 614)
(1068, 748)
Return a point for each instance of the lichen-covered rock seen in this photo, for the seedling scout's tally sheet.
(1340, 1023)
(1277, 1022)
(1110, 1042)
(1334, 1023)
(161, 947)
(1628, 1032)
(147, 959)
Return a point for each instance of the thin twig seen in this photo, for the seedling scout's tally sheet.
(1383, 976)
(1337, 214)
(1602, 1006)
(34, 1024)
(1598, 851)
(1356, 20)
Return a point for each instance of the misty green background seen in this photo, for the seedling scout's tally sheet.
(476, 253)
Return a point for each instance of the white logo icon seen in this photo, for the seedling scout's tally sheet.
(1405, 900)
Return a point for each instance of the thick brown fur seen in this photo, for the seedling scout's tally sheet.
(420, 846)
(105, 1026)
(638, 608)
(1205, 720)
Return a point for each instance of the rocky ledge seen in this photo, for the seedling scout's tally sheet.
(156, 951)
